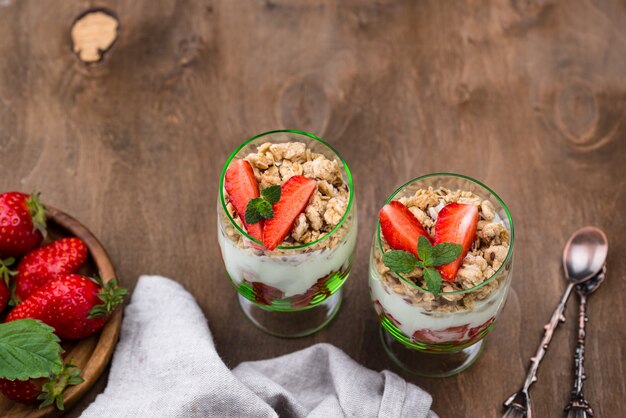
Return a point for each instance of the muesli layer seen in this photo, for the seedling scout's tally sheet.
(485, 257)
(274, 164)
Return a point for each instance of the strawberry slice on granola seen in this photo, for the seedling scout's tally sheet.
(456, 223)
(401, 228)
(294, 196)
(241, 186)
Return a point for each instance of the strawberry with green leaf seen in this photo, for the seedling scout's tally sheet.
(456, 223)
(261, 208)
(455, 231)
(400, 227)
(278, 207)
(22, 223)
(31, 367)
(292, 200)
(430, 257)
(75, 306)
(242, 187)
(45, 391)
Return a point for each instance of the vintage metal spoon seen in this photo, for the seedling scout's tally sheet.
(583, 257)
(578, 407)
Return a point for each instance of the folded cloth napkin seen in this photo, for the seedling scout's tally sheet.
(165, 365)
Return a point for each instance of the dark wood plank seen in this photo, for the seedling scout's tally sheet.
(528, 97)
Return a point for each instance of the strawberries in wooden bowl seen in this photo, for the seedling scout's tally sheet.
(59, 301)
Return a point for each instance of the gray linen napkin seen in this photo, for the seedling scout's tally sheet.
(165, 365)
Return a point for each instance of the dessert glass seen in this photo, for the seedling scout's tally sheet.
(438, 335)
(293, 290)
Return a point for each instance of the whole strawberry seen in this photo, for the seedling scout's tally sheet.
(22, 223)
(75, 306)
(5, 281)
(5, 295)
(43, 391)
(24, 391)
(44, 264)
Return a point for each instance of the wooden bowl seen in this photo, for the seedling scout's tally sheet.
(90, 354)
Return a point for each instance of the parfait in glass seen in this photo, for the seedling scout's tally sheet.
(287, 229)
(440, 270)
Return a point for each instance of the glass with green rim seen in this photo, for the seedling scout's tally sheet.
(441, 335)
(294, 290)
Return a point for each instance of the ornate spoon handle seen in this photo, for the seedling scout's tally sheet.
(520, 401)
(578, 406)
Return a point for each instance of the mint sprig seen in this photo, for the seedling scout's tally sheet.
(28, 349)
(271, 194)
(400, 261)
(430, 256)
(260, 208)
(433, 280)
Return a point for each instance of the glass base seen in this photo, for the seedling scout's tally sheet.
(430, 363)
(292, 324)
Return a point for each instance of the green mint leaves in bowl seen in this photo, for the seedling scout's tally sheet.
(430, 256)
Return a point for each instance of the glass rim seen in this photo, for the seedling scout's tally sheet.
(298, 132)
(504, 206)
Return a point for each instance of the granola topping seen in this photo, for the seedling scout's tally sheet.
(274, 164)
(485, 257)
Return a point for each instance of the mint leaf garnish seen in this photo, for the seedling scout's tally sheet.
(252, 211)
(28, 349)
(433, 280)
(265, 209)
(424, 250)
(260, 208)
(400, 261)
(445, 253)
(271, 194)
(429, 257)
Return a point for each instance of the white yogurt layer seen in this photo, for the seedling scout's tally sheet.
(292, 274)
(414, 318)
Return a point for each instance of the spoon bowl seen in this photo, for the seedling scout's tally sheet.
(585, 254)
(591, 285)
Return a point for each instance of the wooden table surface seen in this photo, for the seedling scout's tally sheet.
(526, 96)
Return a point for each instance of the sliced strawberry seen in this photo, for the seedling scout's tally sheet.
(400, 227)
(266, 294)
(241, 186)
(454, 334)
(424, 336)
(319, 288)
(456, 223)
(473, 332)
(294, 196)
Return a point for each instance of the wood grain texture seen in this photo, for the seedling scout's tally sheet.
(527, 96)
(91, 355)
